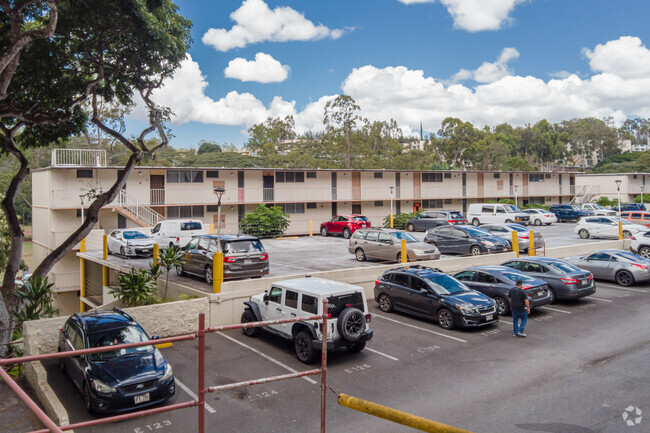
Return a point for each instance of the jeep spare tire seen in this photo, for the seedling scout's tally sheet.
(351, 324)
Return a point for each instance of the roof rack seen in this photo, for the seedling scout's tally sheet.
(417, 268)
(120, 311)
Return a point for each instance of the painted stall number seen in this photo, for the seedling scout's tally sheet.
(357, 368)
(624, 295)
(544, 318)
(584, 307)
(490, 332)
(262, 395)
(428, 349)
(154, 426)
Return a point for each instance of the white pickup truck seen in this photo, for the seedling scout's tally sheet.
(598, 209)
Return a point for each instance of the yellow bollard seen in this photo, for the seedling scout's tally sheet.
(156, 253)
(211, 229)
(105, 247)
(217, 272)
(531, 243)
(82, 275)
(310, 229)
(404, 255)
(515, 242)
(397, 416)
(391, 221)
(620, 230)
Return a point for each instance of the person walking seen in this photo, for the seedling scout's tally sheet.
(520, 308)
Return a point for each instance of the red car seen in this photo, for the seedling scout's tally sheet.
(345, 225)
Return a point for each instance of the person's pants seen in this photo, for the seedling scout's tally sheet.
(516, 317)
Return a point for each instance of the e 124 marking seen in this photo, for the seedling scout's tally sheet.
(357, 368)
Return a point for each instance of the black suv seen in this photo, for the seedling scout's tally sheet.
(118, 380)
(429, 219)
(569, 212)
(430, 293)
(630, 207)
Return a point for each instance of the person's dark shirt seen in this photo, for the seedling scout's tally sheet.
(517, 297)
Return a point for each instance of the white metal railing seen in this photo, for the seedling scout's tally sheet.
(139, 210)
(66, 280)
(78, 158)
(94, 240)
(583, 194)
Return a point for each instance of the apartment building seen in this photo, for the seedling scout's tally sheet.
(593, 186)
(154, 193)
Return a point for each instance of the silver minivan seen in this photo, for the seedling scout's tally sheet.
(386, 244)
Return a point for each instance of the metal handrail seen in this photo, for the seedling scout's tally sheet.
(138, 209)
(78, 158)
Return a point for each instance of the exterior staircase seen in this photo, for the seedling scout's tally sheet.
(583, 195)
(139, 212)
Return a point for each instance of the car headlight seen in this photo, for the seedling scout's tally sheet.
(102, 387)
(168, 372)
(465, 309)
(419, 252)
(488, 243)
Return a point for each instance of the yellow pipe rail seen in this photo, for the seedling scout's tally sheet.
(217, 272)
(620, 229)
(403, 254)
(156, 254)
(396, 416)
(531, 243)
(515, 242)
(82, 275)
(105, 257)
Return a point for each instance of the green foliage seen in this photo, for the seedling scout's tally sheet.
(604, 201)
(155, 271)
(536, 206)
(502, 201)
(135, 288)
(208, 147)
(265, 222)
(517, 163)
(35, 298)
(399, 220)
(646, 199)
(169, 258)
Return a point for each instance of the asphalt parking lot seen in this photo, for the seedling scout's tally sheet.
(306, 254)
(582, 365)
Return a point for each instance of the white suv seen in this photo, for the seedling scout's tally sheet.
(348, 321)
(605, 227)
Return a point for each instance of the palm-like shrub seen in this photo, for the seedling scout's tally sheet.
(135, 288)
(169, 259)
(35, 300)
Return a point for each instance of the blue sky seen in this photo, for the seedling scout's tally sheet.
(485, 61)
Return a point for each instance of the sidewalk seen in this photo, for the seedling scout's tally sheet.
(15, 416)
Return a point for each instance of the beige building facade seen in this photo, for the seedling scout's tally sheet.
(604, 185)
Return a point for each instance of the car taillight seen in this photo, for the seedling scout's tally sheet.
(368, 318)
(526, 287)
(264, 256)
(178, 239)
(524, 237)
(376, 282)
(569, 280)
(645, 268)
(228, 259)
(452, 221)
(547, 216)
(591, 277)
(633, 238)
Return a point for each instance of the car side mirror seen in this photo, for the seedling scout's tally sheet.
(266, 298)
(155, 337)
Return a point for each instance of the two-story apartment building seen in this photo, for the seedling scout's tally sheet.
(598, 185)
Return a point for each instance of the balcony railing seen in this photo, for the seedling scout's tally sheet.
(66, 281)
(94, 240)
(78, 158)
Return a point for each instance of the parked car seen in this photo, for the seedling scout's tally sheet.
(606, 227)
(386, 244)
(569, 212)
(642, 218)
(626, 207)
(243, 257)
(504, 231)
(176, 233)
(465, 240)
(640, 244)
(129, 243)
(432, 294)
(483, 213)
(541, 216)
(119, 380)
(614, 265)
(496, 282)
(344, 225)
(598, 210)
(565, 281)
(434, 218)
(348, 319)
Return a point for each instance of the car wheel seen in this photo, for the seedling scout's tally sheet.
(627, 235)
(87, 399)
(357, 347)
(551, 293)
(171, 245)
(538, 222)
(351, 324)
(122, 251)
(399, 257)
(583, 233)
(644, 252)
(445, 319)
(180, 271)
(476, 222)
(624, 278)
(303, 347)
(323, 232)
(208, 274)
(502, 306)
(508, 221)
(385, 303)
(247, 317)
(410, 227)
(347, 233)
(360, 255)
(475, 250)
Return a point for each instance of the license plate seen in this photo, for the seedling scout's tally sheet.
(489, 317)
(247, 261)
(585, 281)
(540, 293)
(142, 398)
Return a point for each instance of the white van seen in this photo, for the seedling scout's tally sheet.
(489, 213)
(176, 233)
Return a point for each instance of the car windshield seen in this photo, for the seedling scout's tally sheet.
(445, 285)
(244, 246)
(512, 209)
(566, 267)
(512, 276)
(112, 337)
(456, 215)
(479, 233)
(403, 235)
(134, 234)
(359, 218)
(519, 228)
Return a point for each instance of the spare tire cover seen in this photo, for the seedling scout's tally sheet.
(351, 324)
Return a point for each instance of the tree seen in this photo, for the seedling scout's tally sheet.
(548, 143)
(265, 222)
(169, 259)
(456, 137)
(268, 137)
(35, 299)
(340, 119)
(135, 288)
(208, 147)
(637, 130)
(100, 51)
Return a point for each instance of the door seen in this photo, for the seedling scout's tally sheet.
(202, 258)
(467, 277)
(400, 293)
(157, 186)
(417, 188)
(272, 308)
(268, 185)
(386, 248)
(444, 240)
(356, 186)
(189, 258)
(370, 245)
(76, 364)
(598, 264)
(487, 284)
(121, 221)
(423, 300)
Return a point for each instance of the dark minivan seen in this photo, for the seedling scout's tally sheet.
(429, 219)
(465, 239)
(243, 257)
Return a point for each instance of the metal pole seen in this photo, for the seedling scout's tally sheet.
(202, 373)
(391, 207)
(323, 376)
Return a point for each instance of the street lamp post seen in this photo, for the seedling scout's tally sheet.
(618, 195)
(217, 259)
(642, 193)
(218, 191)
(516, 186)
(391, 207)
(81, 197)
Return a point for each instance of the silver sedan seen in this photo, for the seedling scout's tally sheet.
(615, 265)
(130, 242)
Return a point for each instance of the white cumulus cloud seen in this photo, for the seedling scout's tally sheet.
(489, 72)
(264, 69)
(626, 57)
(256, 22)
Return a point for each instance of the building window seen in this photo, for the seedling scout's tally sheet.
(536, 200)
(290, 176)
(212, 208)
(84, 174)
(497, 175)
(312, 206)
(185, 176)
(447, 201)
(292, 208)
(432, 204)
(379, 203)
(379, 175)
(432, 177)
(184, 211)
(547, 175)
(447, 175)
(634, 176)
(212, 173)
(311, 175)
(535, 177)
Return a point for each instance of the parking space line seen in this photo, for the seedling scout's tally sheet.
(296, 267)
(263, 355)
(504, 321)
(622, 288)
(555, 309)
(421, 329)
(382, 354)
(191, 394)
(600, 299)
